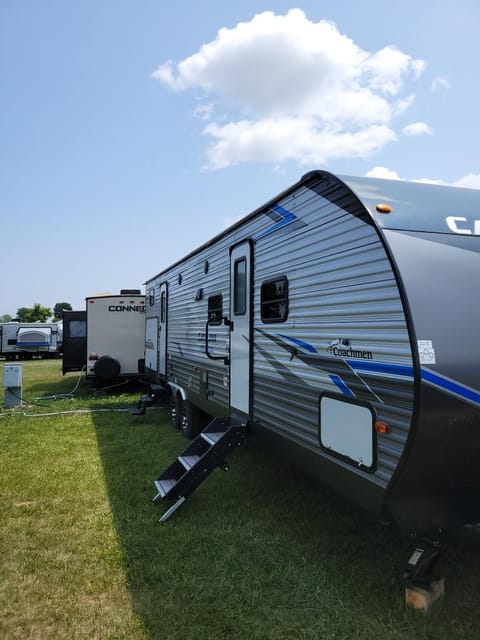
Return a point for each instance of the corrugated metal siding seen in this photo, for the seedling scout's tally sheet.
(341, 285)
(187, 318)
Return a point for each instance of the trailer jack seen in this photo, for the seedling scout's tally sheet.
(424, 584)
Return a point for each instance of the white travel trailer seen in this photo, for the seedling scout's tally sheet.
(115, 336)
(24, 340)
(338, 321)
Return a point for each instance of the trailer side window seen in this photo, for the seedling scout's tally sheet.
(151, 297)
(240, 287)
(274, 300)
(78, 328)
(215, 309)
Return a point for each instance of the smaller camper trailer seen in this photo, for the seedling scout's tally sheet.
(25, 340)
(115, 336)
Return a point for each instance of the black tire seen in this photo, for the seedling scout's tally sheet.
(189, 419)
(106, 369)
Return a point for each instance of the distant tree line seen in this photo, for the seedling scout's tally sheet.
(37, 313)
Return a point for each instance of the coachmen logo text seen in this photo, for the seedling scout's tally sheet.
(341, 348)
(139, 308)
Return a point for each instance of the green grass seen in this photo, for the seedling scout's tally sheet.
(258, 553)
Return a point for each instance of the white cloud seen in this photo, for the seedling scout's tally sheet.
(382, 172)
(204, 111)
(281, 139)
(165, 74)
(294, 89)
(471, 180)
(388, 67)
(417, 129)
(440, 84)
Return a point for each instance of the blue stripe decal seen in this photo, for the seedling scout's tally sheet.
(427, 376)
(286, 218)
(381, 367)
(342, 386)
(32, 344)
(300, 343)
(407, 371)
(451, 386)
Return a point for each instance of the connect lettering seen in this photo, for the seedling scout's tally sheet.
(137, 308)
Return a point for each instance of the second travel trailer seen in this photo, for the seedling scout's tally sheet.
(107, 338)
(115, 336)
(340, 321)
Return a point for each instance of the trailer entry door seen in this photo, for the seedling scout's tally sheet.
(151, 344)
(162, 330)
(240, 337)
(74, 347)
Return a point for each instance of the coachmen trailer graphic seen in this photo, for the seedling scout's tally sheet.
(340, 322)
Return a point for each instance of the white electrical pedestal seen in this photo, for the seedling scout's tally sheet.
(12, 385)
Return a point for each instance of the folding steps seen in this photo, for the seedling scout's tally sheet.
(206, 452)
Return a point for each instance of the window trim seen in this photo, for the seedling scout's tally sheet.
(163, 307)
(277, 320)
(237, 309)
(151, 297)
(215, 323)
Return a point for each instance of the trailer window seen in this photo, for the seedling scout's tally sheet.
(77, 328)
(151, 297)
(215, 309)
(240, 287)
(274, 300)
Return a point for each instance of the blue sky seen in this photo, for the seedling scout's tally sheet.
(131, 132)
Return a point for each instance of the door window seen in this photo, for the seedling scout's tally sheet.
(240, 287)
(163, 307)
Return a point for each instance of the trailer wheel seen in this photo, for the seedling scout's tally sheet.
(106, 369)
(189, 419)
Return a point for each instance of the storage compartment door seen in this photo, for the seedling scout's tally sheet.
(347, 431)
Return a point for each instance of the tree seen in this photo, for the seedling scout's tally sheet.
(23, 314)
(36, 314)
(59, 308)
(6, 317)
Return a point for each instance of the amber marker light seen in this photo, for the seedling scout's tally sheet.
(382, 427)
(383, 208)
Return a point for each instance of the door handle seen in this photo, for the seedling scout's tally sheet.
(226, 359)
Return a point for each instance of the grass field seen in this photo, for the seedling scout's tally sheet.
(257, 553)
